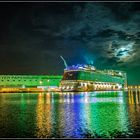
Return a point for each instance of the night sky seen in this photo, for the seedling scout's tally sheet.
(34, 35)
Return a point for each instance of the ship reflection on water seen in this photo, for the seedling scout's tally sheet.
(70, 115)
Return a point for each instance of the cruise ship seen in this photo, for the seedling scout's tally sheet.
(87, 78)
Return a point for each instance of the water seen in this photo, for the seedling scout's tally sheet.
(70, 115)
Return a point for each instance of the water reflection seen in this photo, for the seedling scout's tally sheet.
(81, 115)
(43, 117)
(134, 111)
(134, 96)
(70, 115)
(17, 115)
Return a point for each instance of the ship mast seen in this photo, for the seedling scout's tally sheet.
(64, 61)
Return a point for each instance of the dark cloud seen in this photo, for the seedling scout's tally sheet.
(34, 35)
(121, 53)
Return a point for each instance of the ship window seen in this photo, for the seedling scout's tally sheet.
(72, 75)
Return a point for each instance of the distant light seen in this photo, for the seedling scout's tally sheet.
(119, 86)
(120, 73)
(23, 86)
(85, 84)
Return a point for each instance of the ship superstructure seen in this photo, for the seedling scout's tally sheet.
(88, 78)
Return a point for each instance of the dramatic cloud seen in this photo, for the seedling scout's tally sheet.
(34, 35)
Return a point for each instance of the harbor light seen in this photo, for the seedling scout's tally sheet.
(40, 82)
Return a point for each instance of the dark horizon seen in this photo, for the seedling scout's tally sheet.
(35, 35)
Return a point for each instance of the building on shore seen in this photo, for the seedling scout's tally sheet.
(29, 81)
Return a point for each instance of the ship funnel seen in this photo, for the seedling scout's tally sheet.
(91, 62)
(64, 61)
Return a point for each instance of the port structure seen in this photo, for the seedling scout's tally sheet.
(29, 80)
(75, 78)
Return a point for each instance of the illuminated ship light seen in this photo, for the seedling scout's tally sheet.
(87, 78)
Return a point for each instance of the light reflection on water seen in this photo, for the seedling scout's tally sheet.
(70, 115)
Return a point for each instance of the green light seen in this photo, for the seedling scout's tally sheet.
(29, 80)
(107, 116)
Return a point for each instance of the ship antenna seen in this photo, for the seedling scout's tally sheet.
(64, 61)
